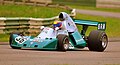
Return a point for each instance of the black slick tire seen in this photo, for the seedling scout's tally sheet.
(97, 41)
(63, 42)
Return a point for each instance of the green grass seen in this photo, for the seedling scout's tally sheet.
(112, 24)
(76, 2)
(4, 37)
(28, 11)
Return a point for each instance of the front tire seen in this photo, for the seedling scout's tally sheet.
(63, 42)
(97, 41)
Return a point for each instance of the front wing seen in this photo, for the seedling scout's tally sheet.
(32, 42)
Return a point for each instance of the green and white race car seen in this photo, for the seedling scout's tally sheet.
(64, 36)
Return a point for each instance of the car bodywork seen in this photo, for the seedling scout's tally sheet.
(48, 40)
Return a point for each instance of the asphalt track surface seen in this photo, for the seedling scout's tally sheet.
(111, 56)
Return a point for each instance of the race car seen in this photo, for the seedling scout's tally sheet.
(64, 35)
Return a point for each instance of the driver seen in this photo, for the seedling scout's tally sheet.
(57, 24)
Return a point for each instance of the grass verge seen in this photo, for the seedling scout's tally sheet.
(4, 37)
(76, 2)
(29, 11)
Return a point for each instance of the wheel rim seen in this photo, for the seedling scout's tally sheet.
(66, 43)
(104, 41)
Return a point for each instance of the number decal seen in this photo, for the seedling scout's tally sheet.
(20, 39)
(101, 26)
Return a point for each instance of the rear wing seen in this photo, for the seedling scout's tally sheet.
(99, 25)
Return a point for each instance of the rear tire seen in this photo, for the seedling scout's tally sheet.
(97, 41)
(11, 40)
(63, 42)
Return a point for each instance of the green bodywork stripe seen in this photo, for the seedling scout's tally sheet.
(82, 22)
(99, 25)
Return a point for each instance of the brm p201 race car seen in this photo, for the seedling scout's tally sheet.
(64, 36)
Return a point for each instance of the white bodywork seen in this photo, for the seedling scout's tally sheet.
(68, 23)
(51, 33)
